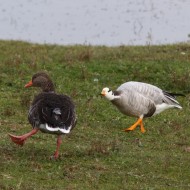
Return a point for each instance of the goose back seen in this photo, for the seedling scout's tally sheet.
(157, 95)
(52, 109)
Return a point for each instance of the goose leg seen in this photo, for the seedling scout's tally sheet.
(59, 141)
(21, 139)
(142, 127)
(139, 122)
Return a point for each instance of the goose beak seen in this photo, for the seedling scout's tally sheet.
(28, 84)
(103, 93)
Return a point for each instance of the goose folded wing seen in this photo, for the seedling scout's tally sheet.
(147, 90)
(57, 112)
(135, 104)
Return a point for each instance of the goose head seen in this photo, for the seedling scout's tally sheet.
(41, 80)
(108, 93)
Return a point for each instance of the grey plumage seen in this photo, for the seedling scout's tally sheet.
(141, 99)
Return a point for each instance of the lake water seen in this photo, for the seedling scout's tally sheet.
(96, 22)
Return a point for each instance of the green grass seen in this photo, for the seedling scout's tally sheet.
(97, 154)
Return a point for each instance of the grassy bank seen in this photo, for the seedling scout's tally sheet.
(97, 154)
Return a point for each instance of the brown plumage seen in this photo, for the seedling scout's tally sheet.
(49, 112)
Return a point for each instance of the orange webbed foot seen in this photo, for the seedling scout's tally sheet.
(17, 139)
(139, 122)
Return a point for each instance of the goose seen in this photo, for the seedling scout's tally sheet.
(138, 99)
(49, 112)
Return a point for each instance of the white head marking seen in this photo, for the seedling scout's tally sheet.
(108, 93)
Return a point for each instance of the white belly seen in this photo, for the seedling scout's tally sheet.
(161, 107)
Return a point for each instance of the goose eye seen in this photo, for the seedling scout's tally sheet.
(109, 90)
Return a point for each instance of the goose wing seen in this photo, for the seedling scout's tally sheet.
(135, 104)
(147, 90)
(157, 95)
(138, 99)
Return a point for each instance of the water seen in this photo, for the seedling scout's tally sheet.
(96, 22)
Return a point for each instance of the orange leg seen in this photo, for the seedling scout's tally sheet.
(142, 127)
(139, 122)
(59, 141)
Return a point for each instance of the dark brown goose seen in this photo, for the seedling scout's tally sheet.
(49, 112)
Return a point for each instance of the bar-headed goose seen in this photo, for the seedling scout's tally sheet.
(49, 112)
(140, 100)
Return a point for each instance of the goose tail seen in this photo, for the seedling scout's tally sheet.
(172, 98)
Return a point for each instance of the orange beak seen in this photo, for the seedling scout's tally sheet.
(28, 84)
(103, 93)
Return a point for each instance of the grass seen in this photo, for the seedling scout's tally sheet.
(97, 154)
